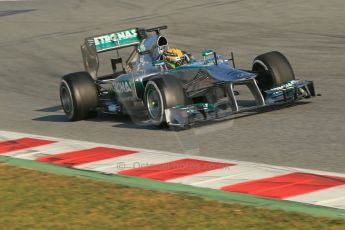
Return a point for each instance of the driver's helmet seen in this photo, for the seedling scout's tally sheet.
(173, 57)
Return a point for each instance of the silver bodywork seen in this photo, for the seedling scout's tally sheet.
(198, 78)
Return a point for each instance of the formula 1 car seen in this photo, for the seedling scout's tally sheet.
(200, 90)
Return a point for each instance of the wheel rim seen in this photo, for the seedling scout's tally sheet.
(66, 99)
(154, 104)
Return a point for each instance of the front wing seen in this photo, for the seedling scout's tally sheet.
(286, 94)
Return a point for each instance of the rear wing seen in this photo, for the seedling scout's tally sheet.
(106, 42)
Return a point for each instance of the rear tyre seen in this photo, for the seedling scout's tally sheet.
(273, 70)
(79, 96)
(160, 94)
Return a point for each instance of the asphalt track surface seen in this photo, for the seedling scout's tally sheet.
(40, 40)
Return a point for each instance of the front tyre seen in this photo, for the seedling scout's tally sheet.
(79, 96)
(273, 70)
(163, 93)
(154, 104)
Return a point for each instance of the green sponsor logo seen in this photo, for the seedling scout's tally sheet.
(116, 39)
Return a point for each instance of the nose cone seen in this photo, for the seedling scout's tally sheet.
(223, 72)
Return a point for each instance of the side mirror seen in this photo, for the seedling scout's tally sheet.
(206, 53)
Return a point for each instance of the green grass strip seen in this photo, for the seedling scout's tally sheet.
(180, 188)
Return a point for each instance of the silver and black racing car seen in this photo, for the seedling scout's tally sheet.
(191, 92)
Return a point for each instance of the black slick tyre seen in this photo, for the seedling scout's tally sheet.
(163, 93)
(273, 69)
(79, 96)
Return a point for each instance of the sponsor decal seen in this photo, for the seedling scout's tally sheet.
(287, 85)
(238, 74)
(278, 91)
(122, 87)
(116, 39)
